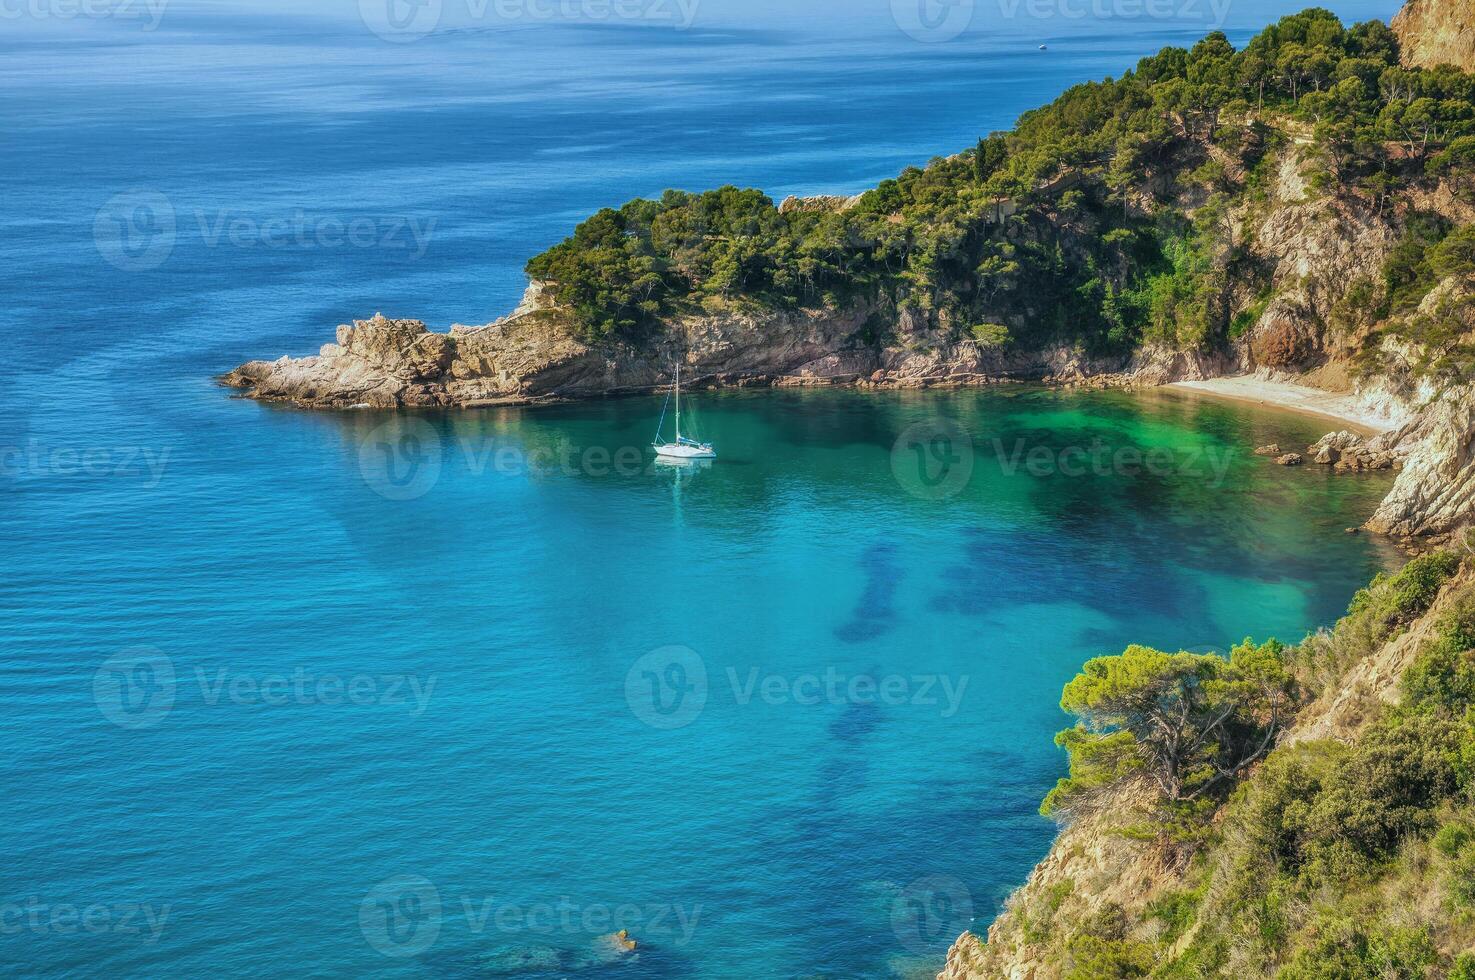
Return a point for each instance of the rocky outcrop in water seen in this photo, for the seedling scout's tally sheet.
(1434, 495)
(534, 355)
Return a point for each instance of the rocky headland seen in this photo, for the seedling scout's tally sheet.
(1321, 258)
(1312, 245)
(1106, 901)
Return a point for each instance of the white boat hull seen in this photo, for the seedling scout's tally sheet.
(680, 451)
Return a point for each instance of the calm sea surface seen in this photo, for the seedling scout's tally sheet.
(455, 695)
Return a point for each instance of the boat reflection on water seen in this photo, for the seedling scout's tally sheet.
(683, 465)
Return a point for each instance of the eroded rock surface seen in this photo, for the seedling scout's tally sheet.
(1436, 32)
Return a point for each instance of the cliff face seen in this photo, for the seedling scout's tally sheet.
(1436, 32)
(1434, 495)
(1107, 902)
(533, 356)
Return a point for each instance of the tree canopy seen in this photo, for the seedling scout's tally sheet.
(1075, 256)
(1184, 722)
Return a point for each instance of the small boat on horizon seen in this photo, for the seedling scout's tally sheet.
(683, 448)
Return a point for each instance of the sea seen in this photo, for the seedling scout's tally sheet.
(465, 694)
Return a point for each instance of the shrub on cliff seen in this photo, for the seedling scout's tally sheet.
(1442, 674)
(1349, 857)
(1281, 346)
(1393, 601)
(1348, 949)
(1377, 612)
(1182, 723)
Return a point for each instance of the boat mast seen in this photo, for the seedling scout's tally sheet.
(678, 403)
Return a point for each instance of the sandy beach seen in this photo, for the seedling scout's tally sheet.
(1333, 406)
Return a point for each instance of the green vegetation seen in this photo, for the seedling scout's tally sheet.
(1074, 227)
(1347, 857)
(1185, 723)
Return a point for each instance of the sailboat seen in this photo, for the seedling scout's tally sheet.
(682, 448)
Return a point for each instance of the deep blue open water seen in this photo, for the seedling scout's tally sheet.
(454, 695)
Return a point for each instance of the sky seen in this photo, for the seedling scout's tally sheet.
(929, 20)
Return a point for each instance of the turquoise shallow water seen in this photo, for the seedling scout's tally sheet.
(609, 688)
(291, 693)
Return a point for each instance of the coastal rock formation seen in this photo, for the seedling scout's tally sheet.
(1435, 493)
(1094, 866)
(1297, 317)
(1102, 887)
(533, 355)
(965, 959)
(1436, 32)
(819, 203)
(1348, 452)
(385, 363)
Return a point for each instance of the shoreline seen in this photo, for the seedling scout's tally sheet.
(1301, 399)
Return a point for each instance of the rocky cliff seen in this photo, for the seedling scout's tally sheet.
(534, 355)
(1312, 248)
(1111, 901)
(1436, 32)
